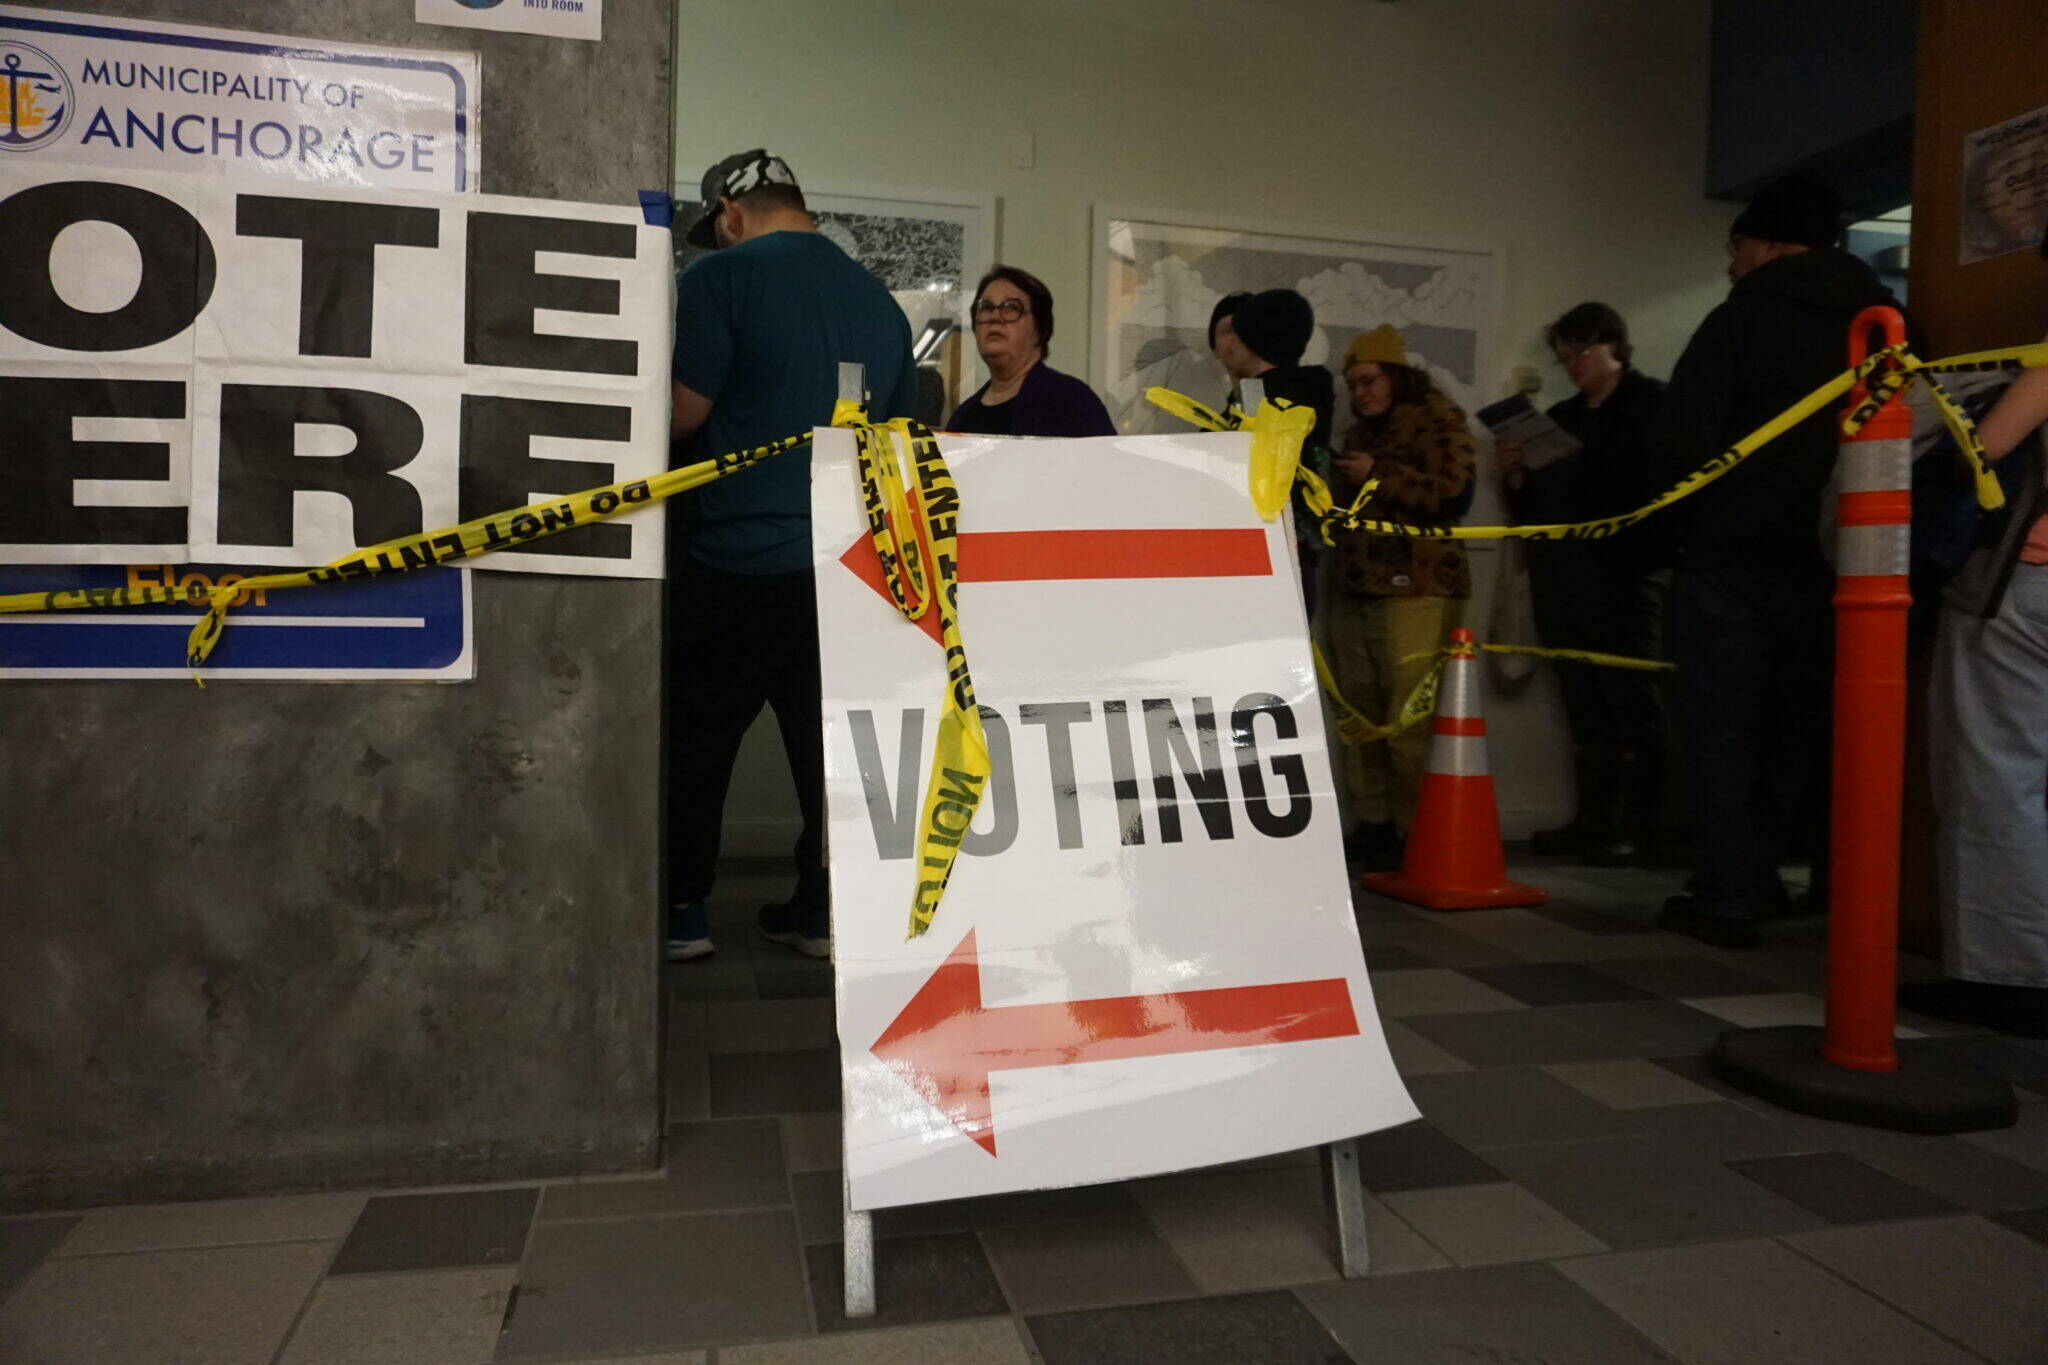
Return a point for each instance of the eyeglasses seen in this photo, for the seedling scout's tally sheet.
(1567, 354)
(1009, 310)
(1735, 244)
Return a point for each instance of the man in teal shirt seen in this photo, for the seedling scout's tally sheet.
(762, 326)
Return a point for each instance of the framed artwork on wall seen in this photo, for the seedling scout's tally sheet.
(1158, 275)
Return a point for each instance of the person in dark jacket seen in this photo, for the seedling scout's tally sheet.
(1601, 595)
(1751, 626)
(1024, 396)
(1262, 336)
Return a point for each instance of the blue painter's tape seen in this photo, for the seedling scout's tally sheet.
(658, 207)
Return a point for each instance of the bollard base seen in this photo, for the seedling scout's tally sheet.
(1784, 1066)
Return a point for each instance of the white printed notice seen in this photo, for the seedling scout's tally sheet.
(193, 367)
(1146, 959)
(550, 18)
(86, 89)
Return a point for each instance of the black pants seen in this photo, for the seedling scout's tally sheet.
(737, 642)
(1755, 655)
(1586, 599)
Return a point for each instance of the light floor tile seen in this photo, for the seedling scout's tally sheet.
(1491, 1224)
(1058, 1267)
(1769, 1011)
(1435, 990)
(224, 1222)
(1510, 1314)
(433, 1318)
(1984, 1285)
(812, 1142)
(1633, 1084)
(1753, 1301)
(1266, 1229)
(2025, 1142)
(991, 1340)
(197, 1306)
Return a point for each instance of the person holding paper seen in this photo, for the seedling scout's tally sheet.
(1601, 595)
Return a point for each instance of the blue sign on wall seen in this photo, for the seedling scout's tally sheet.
(413, 626)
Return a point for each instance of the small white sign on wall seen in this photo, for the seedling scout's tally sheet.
(550, 18)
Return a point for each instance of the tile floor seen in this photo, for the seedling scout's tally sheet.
(1582, 1188)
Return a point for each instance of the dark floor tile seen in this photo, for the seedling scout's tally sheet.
(1648, 1028)
(1272, 1328)
(636, 1285)
(710, 978)
(718, 1164)
(1641, 1192)
(801, 1025)
(917, 1279)
(1556, 983)
(1512, 1038)
(1726, 1130)
(1415, 1156)
(437, 1231)
(1394, 958)
(1686, 978)
(1588, 920)
(1965, 1174)
(1059, 1267)
(793, 985)
(1840, 1188)
(1496, 1313)
(1515, 1105)
(23, 1244)
(2028, 1222)
(748, 1083)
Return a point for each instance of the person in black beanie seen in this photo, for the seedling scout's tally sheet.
(1752, 631)
(1262, 336)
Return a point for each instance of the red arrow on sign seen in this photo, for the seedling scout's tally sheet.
(946, 1042)
(1040, 556)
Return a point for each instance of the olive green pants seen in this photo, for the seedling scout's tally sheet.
(1369, 636)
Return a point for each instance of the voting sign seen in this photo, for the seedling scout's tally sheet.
(196, 370)
(1146, 958)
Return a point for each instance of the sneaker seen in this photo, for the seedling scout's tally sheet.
(807, 931)
(689, 933)
(1682, 915)
(2019, 1010)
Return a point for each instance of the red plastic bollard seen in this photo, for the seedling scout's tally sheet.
(1874, 474)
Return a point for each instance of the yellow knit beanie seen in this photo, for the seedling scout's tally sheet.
(1382, 346)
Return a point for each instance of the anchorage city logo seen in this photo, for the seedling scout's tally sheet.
(35, 98)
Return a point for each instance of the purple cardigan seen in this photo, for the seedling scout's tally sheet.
(1048, 403)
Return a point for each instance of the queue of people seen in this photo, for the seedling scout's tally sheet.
(764, 321)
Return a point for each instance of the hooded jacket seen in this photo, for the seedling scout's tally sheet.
(1783, 331)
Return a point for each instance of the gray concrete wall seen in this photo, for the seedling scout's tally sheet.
(274, 936)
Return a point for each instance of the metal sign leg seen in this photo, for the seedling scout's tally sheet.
(860, 1258)
(1347, 1206)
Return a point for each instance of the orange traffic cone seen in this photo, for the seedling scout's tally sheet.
(1454, 859)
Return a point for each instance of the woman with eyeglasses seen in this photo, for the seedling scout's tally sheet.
(1601, 595)
(1024, 396)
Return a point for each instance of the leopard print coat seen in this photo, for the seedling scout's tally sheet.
(1423, 457)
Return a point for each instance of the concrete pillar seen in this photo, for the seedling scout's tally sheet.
(271, 936)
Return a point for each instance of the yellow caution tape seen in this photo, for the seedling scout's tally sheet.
(914, 525)
(1356, 727)
(1278, 430)
(499, 531)
(1894, 367)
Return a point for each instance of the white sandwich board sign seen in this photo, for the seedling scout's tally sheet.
(1146, 960)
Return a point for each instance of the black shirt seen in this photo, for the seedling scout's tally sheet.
(983, 419)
